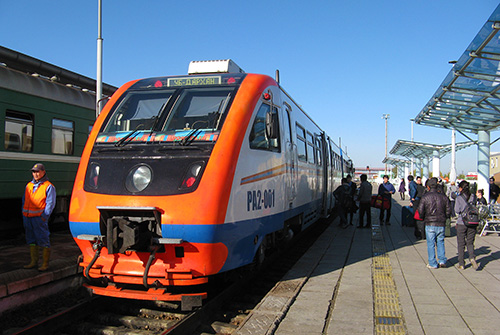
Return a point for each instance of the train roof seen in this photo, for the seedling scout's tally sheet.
(31, 66)
(20, 82)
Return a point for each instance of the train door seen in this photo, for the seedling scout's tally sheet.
(325, 172)
(290, 156)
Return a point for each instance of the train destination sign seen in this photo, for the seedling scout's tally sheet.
(194, 81)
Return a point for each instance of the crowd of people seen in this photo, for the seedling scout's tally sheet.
(433, 206)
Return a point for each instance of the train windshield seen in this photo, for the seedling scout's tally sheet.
(182, 115)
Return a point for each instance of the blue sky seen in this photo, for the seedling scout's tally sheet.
(345, 62)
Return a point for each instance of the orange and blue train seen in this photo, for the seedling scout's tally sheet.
(186, 177)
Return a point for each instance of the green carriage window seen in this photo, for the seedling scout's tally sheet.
(62, 136)
(18, 131)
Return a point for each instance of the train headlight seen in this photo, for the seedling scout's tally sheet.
(192, 174)
(138, 178)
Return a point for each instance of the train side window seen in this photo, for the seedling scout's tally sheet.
(258, 138)
(301, 143)
(18, 131)
(318, 150)
(310, 149)
(62, 136)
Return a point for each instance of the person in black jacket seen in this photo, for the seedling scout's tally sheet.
(494, 191)
(434, 209)
(419, 193)
(342, 195)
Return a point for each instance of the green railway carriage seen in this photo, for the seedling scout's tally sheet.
(41, 120)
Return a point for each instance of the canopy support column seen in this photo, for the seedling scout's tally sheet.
(453, 170)
(483, 162)
(425, 172)
(435, 164)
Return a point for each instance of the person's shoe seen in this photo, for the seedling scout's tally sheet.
(431, 267)
(474, 263)
(387, 223)
(460, 267)
(442, 265)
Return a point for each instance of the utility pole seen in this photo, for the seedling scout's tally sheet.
(98, 91)
(386, 117)
(412, 158)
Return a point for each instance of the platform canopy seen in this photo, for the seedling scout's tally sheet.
(411, 149)
(394, 161)
(468, 99)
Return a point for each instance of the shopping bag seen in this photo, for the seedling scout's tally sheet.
(417, 215)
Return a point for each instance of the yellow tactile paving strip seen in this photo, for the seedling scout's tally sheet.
(388, 315)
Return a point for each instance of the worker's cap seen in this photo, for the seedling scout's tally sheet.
(38, 167)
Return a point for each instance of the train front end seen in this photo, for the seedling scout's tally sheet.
(151, 190)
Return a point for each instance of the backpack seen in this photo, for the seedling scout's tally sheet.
(470, 215)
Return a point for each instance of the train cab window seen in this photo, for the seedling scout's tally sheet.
(301, 143)
(199, 109)
(18, 131)
(310, 149)
(62, 136)
(258, 138)
(138, 110)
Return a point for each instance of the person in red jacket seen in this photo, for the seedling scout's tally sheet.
(39, 200)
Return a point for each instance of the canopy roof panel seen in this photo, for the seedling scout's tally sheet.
(469, 99)
(411, 149)
(396, 161)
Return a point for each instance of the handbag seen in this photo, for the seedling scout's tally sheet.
(377, 201)
(416, 216)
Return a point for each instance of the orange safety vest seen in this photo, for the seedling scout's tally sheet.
(34, 203)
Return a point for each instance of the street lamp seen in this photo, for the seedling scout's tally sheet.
(98, 91)
(385, 117)
(412, 158)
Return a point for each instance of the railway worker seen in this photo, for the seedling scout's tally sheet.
(434, 209)
(386, 190)
(365, 198)
(39, 200)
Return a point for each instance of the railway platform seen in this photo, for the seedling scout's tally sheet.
(19, 286)
(375, 281)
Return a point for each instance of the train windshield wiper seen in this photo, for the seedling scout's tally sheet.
(157, 117)
(191, 136)
(122, 142)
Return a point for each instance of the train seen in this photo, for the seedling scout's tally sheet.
(187, 177)
(46, 113)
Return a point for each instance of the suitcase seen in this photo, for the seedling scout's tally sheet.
(407, 216)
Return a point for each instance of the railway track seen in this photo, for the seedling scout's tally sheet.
(220, 315)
